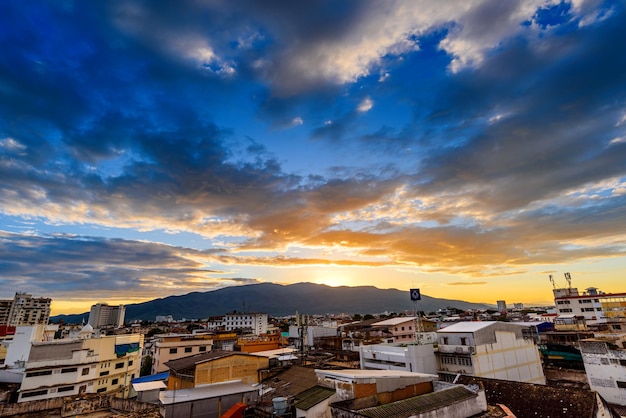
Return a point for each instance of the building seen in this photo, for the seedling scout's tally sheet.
(595, 306)
(406, 357)
(208, 401)
(501, 305)
(168, 347)
(215, 367)
(305, 336)
(24, 310)
(103, 316)
(604, 357)
(378, 393)
(491, 349)
(401, 329)
(81, 366)
(263, 342)
(249, 323)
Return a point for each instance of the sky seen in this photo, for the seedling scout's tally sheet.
(467, 148)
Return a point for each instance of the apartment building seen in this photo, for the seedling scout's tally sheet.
(418, 358)
(492, 349)
(102, 315)
(168, 347)
(594, 305)
(249, 323)
(24, 310)
(76, 366)
(401, 329)
(604, 357)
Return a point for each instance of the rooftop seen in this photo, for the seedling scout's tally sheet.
(468, 326)
(312, 396)
(394, 321)
(204, 392)
(375, 374)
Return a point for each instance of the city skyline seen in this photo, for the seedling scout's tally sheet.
(469, 149)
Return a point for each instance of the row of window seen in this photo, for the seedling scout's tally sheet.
(174, 350)
(462, 361)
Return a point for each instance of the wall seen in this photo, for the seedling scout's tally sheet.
(234, 367)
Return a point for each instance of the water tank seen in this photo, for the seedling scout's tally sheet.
(280, 405)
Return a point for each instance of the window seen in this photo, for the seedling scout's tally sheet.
(40, 373)
(202, 348)
(119, 365)
(616, 326)
(445, 340)
(130, 362)
(463, 340)
(101, 390)
(173, 350)
(65, 389)
(85, 371)
(465, 361)
(402, 328)
(69, 370)
(104, 373)
(188, 349)
(35, 393)
(565, 310)
(114, 381)
(620, 384)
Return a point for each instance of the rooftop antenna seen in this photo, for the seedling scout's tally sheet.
(552, 281)
(568, 278)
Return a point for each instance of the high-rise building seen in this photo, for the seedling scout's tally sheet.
(251, 323)
(24, 310)
(102, 315)
(501, 305)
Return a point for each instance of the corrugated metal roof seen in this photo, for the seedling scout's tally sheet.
(394, 321)
(204, 392)
(418, 404)
(151, 378)
(311, 397)
(191, 361)
(143, 386)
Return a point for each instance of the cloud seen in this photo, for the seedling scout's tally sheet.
(365, 105)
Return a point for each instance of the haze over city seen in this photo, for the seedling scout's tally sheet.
(469, 149)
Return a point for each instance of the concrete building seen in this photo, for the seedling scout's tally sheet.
(249, 323)
(308, 334)
(215, 367)
(208, 401)
(378, 393)
(604, 357)
(489, 349)
(103, 316)
(501, 305)
(594, 305)
(168, 347)
(401, 329)
(24, 310)
(89, 365)
(406, 357)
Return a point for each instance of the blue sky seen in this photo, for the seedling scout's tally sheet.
(154, 148)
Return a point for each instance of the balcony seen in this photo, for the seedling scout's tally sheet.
(456, 349)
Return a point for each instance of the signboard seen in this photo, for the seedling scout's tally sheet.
(415, 294)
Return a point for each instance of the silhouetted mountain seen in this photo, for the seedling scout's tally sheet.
(281, 300)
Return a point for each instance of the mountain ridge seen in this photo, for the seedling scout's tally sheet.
(281, 300)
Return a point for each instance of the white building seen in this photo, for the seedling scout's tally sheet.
(24, 310)
(168, 347)
(491, 349)
(102, 315)
(605, 366)
(406, 357)
(595, 306)
(89, 365)
(307, 334)
(251, 322)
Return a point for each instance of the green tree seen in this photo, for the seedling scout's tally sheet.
(154, 331)
(146, 366)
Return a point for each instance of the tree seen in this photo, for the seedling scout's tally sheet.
(146, 366)
(368, 316)
(356, 317)
(154, 331)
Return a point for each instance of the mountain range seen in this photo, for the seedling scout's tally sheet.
(282, 300)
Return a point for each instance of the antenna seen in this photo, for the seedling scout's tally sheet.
(568, 278)
(552, 281)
